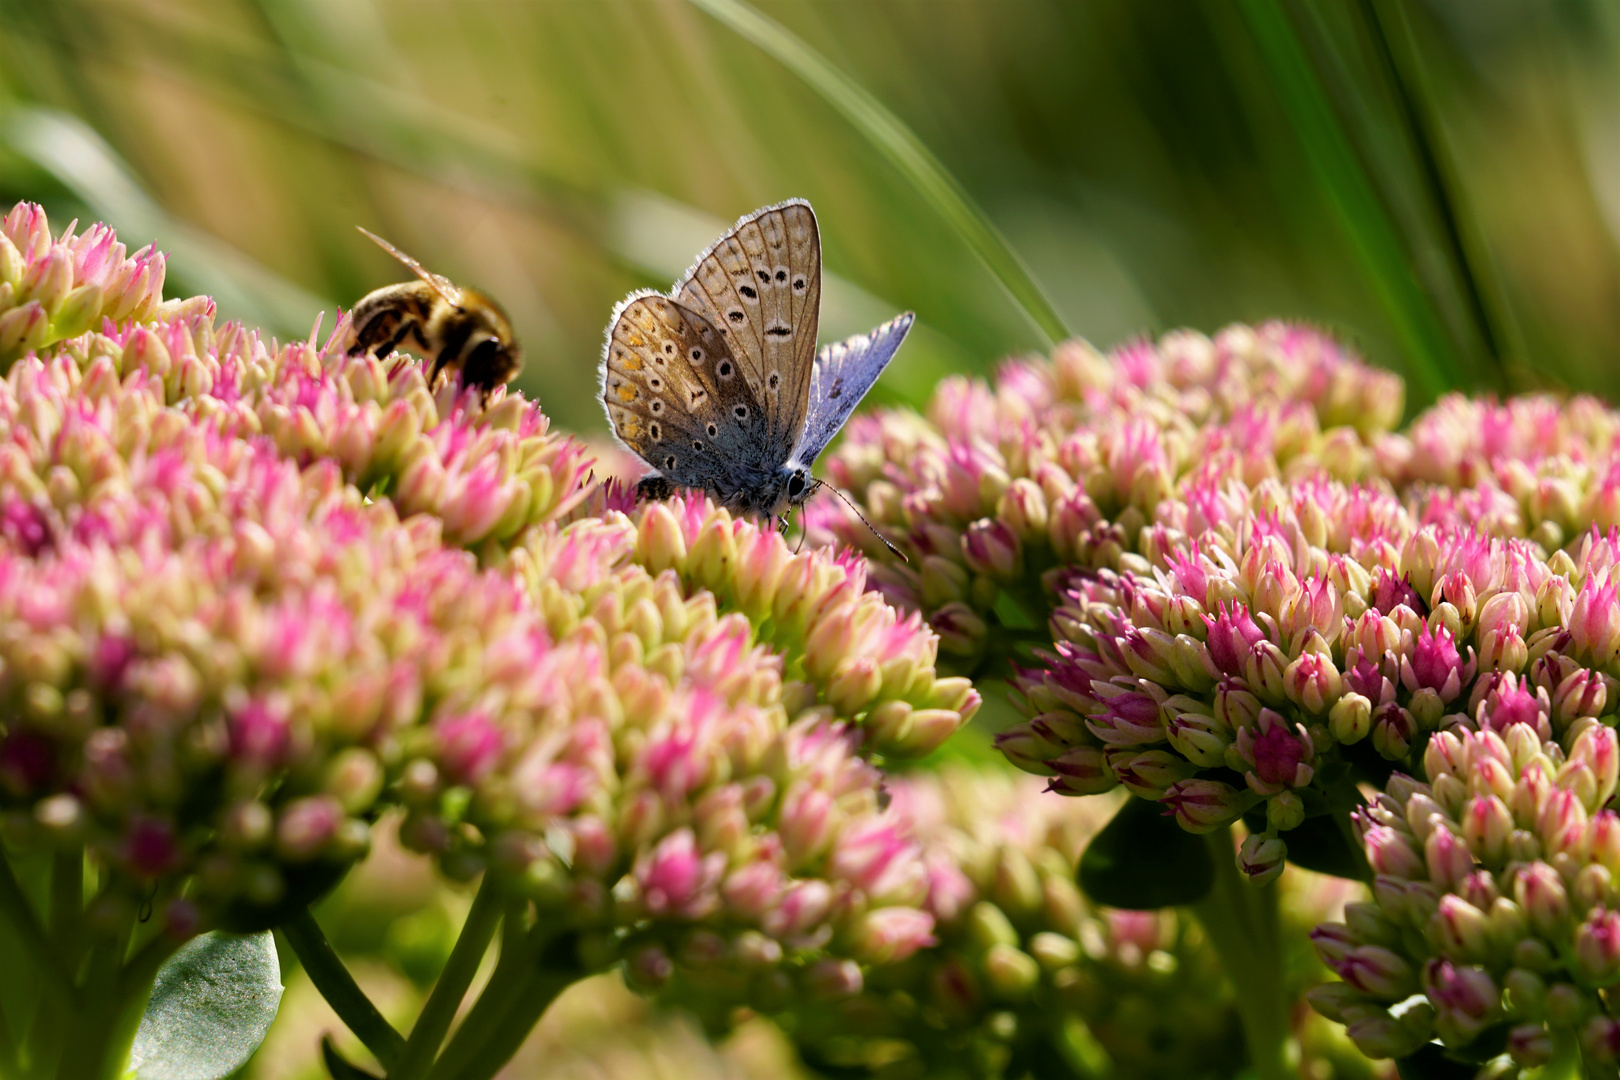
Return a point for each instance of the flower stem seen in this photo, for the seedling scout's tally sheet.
(67, 903)
(506, 982)
(1241, 923)
(429, 1031)
(556, 970)
(15, 909)
(340, 990)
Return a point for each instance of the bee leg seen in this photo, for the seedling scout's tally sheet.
(400, 335)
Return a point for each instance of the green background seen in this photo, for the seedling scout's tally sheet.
(1437, 181)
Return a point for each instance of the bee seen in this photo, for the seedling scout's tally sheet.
(453, 329)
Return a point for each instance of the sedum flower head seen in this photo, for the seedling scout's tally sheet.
(1019, 961)
(258, 593)
(1253, 589)
(57, 287)
(1494, 899)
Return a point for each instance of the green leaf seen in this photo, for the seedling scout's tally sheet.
(1144, 860)
(889, 134)
(210, 1008)
(338, 1066)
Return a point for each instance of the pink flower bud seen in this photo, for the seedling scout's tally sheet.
(1229, 637)
(1261, 858)
(992, 547)
(1449, 858)
(1530, 1046)
(1201, 806)
(1461, 930)
(1391, 853)
(648, 967)
(1540, 892)
(1597, 947)
(1600, 1039)
(1149, 773)
(1486, 825)
(149, 848)
(1394, 730)
(1466, 1000)
(1333, 942)
(1083, 770)
(889, 935)
(1278, 757)
(833, 980)
(961, 631)
(307, 826)
(1581, 693)
(1313, 683)
(1199, 738)
(1378, 972)
(1380, 1035)
(1127, 718)
(1594, 621)
(677, 880)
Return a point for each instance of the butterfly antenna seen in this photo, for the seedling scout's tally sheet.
(892, 549)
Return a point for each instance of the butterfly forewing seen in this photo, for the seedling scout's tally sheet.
(843, 374)
(677, 396)
(761, 284)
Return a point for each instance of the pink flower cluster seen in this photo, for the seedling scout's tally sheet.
(1495, 899)
(256, 594)
(213, 657)
(1252, 590)
(58, 287)
(1020, 959)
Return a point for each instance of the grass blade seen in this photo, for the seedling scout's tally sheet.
(1391, 35)
(904, 150)
(67, 148)
(1374, 237)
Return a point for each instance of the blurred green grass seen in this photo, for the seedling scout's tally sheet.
(1435, 180)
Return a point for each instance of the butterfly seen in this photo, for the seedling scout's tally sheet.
(719, 387)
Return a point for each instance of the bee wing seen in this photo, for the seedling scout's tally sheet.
(437, 282)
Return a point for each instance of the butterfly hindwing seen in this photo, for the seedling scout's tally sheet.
(843, 374)
(761, 285)
(676, 395)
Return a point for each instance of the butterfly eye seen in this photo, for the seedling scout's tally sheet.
(740, 412)
(796, 486)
